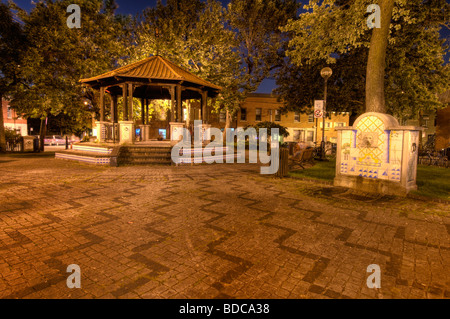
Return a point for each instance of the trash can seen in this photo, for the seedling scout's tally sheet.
(28, 144)
(283, 168)
(36, 143)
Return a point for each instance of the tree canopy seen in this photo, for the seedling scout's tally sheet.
(57, 57)
(335, 33)
(193, 35)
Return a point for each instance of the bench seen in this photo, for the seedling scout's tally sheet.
(303, 157)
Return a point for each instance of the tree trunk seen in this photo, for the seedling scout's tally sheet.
(2, 128)
(42, 132)
(227, 125)
(375, 101)
(227, 120)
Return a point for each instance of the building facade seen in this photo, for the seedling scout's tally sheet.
(301, 127)
(13, 121)
(443, 123)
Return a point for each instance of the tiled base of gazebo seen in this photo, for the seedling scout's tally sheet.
(142, 153)
(90, 153)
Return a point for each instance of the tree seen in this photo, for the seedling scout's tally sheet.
(261, 42)
(298, 86)
(282, 131)
(193, 34)
(58, 57)
(415, 73)
(376, 62)
(12, 46)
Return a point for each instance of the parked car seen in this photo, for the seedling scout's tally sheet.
(54, 140)
(73, 139)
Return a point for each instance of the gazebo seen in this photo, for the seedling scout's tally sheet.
(153, 78)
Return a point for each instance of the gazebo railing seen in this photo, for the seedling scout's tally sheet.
(110, 132)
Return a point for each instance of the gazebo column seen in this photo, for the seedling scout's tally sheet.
(176, 126)
(189, 113)
(130, 102)
(143, 111)
(170, 117)
(147, 122)
(124, 102)
(179, 117)
(205, 125)
(144, 126)
(113, 109)
(127, 127)
(102, 104)
(100, 125)
(147, 104)
(114, 116)
(204, 107)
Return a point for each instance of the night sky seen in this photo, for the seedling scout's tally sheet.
(136, 6)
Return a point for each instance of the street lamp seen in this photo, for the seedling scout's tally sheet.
(325, 73)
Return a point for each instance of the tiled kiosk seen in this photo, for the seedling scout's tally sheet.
(377, 155)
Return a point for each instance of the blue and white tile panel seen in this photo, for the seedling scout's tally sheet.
(84, 159)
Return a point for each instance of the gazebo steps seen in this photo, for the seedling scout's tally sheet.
(142, 155)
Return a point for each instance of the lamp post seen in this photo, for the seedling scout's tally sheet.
(325, 73)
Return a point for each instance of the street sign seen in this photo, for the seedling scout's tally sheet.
(318, 109)
(318, 114)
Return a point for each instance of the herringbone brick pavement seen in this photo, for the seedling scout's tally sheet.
(209, 231)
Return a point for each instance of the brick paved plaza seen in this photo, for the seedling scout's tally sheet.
(209, 231)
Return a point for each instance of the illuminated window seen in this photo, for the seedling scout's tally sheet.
(9, 112)
(258, 115)
(277, 115)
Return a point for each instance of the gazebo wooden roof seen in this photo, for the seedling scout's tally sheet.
(153, 70)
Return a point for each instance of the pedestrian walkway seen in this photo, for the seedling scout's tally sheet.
(209, 231)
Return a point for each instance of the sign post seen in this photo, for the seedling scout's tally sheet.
(325, 73)
(318, 113)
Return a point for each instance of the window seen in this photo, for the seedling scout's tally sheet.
(297, 117)
(310, 136)
(244, 115)
(311, 118)
(9, 112)
(339, 124)
(296, 135)
(258, 115)
(327, 124)
(269, 113)
(163, 133)
(222, 116)
(277, 115)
